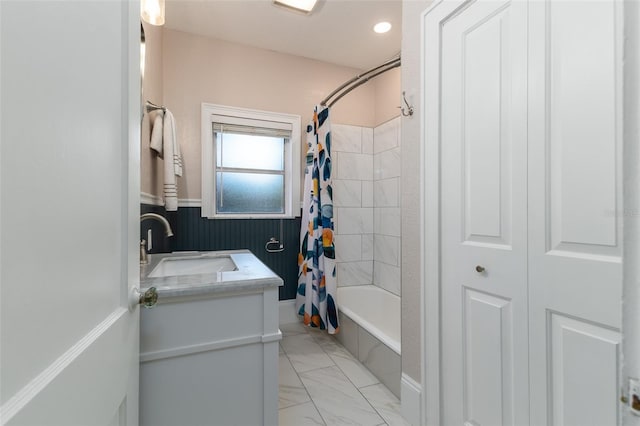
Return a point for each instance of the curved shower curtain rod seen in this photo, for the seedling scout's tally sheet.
(359, 80)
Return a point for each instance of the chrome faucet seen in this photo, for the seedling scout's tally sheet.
(167, 230)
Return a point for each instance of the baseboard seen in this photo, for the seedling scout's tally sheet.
(410, 392)
(154, 200)
(189, 202)
(150, 199)
(288, 311)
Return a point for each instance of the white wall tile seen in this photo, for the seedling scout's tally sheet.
(355, 273)
(386, 193)
(387, 221)
(348, 335)
(354, 220)
(367, 193)
(345, 138)
(386, 136)
(387, 277)
(367, 140)
(347, 193)
(348, 247)
(381, 360)
(335, 166)
(386, 164)
(354, 166)
(367, 246)
(386, 249)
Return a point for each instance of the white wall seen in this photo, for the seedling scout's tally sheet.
(631, 216)
(387, 95)
(411, 152)
(197, 69)
(152, 83)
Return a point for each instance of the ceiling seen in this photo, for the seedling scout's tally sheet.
(337, 31)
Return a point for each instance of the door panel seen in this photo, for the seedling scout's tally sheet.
(483, 147)
(486, 178)
(488, 363)
(70, 104)
(575, 274)
(582, 354)
(582, 153)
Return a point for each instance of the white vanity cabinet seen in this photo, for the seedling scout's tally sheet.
(209, 349)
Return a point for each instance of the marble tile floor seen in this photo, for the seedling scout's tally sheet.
(321, 383)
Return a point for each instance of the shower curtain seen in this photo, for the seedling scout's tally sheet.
(316, 296)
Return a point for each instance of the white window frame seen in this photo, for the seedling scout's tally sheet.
(211, 113)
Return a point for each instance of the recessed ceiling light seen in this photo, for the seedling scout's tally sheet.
(382, 27)
(305, 6)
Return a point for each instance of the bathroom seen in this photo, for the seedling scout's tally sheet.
(71, 180)
(183, 70)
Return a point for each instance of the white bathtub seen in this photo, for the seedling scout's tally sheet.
(374, 309)
(370, 330)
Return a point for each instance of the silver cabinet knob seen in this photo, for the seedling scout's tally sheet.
(480, 269)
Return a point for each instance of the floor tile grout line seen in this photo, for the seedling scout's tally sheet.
(351, 381)
(298, 374)
(321, 344)
(310, 397)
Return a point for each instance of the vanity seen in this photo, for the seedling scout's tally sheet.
(209, 348)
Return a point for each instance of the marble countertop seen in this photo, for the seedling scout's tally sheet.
(251, 275)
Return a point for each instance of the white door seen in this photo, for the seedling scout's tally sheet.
(69, 212)
(484, 217)
(575, 205)
(530, 116)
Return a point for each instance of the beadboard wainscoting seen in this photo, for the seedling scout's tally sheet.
(193, 232)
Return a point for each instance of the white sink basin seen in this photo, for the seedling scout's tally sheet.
(193, 265)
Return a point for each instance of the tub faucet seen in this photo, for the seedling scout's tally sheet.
(167, 230)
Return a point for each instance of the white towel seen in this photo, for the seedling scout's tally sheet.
(165, 143)
(156, 133)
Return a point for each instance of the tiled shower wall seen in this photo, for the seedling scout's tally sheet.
(386, 203)
(352, 153)
(367, 204)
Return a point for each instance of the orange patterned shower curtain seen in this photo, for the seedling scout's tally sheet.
(316, 296)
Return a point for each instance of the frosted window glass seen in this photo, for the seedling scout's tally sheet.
(249, 151)
(249, 192)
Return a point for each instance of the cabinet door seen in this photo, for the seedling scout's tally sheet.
(484, 216)
(575, 233)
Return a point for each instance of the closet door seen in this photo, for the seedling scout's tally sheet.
(575, 238)
(484, 228)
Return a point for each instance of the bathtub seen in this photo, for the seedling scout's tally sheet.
(370, 330)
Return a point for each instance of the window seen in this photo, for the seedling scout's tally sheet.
(250, 163)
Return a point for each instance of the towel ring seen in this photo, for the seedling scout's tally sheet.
(269, 246)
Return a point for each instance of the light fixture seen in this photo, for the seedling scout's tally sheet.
(305, 6)
(382, 27)
(152, 11)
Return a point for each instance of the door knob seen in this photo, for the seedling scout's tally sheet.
(480, 269)
(148, 299)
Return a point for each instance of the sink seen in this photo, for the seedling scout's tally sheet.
(192, 265)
